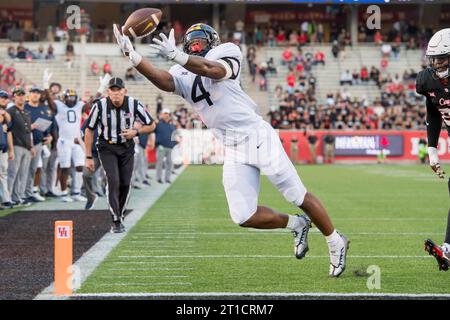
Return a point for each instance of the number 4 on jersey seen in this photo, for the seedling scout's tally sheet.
(204, 94)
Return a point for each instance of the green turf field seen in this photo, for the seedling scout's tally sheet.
(188, 243)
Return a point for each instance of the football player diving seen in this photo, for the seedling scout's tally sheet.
(207, 75)
(433, 83)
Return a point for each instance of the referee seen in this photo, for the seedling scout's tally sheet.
(114, 116)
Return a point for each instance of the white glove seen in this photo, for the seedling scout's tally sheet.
(434, 162)
(167, 48)
(126, 46)
(103, 83)
(46, 79)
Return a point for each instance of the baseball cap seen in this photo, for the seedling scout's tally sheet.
(165, 110)
(18, 90)
(35, 89)
(116, 82)
(4, 94)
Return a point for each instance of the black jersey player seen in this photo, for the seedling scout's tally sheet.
(434, 84)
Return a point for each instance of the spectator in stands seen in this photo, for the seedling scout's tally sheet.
(375, 76)
(251, 60)
(50, 52)
(40, 54)
(320, 32)
(21, 51)
(384, 64)
(386, 50)
(95, 69)
(259, 37)
(23, 148)
(9, 76)
(364, 74)
(263, 79)
(290, 80)
(302, 39)
(107, 68)
(271, 66)
(355, 77)
(288, 56)
(378, 38)
(281, 37)
(271, 38)
(293, 39)
(346, 78)
(335, 49)
(50, 34)
(11, 52)
(319, 58)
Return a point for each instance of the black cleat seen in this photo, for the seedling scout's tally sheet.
(90, 203)
(117, 227)
(437, 252)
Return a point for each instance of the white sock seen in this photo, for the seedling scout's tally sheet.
(293, 222)
(334, 240)
(77, 182)
(446, 246)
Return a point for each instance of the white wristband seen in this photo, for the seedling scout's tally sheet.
(181, 58)
(433, 155)
(135, 58)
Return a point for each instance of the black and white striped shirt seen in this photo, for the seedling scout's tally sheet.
(112, 120)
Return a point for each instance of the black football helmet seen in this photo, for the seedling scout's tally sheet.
(70, 97)
(200, 31)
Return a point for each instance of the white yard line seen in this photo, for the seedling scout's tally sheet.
(262, 294)
(91, 259)
(282, 231)
(147, 269)
(146, 276)
(144, 284)
(269, 257)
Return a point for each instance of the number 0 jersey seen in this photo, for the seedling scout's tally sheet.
(221, 104)
(68, 120)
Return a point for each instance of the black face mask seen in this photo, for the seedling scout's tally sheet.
(445, 65)
(70, 101)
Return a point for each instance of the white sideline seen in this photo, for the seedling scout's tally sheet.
(270, 257)
(262, 294)
(92, 258)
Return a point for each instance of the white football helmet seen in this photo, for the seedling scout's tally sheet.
(438, 53)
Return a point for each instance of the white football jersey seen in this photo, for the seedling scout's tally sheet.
(221, 104)
(69, 120)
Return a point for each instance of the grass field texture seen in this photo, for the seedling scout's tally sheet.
(187, 242)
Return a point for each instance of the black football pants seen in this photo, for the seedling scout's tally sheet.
(117, 160)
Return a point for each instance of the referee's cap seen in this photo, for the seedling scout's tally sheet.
(116, 82)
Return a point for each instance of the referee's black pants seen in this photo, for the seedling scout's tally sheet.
(117, 160)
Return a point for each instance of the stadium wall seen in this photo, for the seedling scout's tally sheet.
(201, 147)
(365, 146)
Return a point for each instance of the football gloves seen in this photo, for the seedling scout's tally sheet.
(166, 47)
(103, 82)
(126, 46)
(46, 79)
(434, 162)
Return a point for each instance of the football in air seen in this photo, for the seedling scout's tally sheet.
(142, 22)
